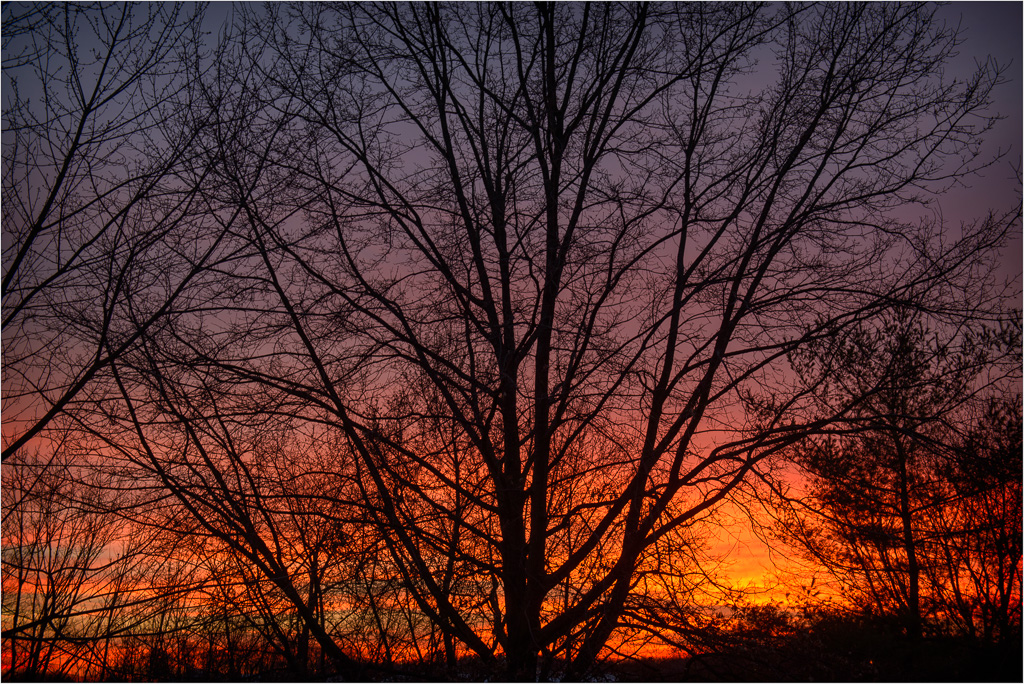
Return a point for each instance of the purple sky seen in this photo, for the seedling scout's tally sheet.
(988, 29)
(992, 29)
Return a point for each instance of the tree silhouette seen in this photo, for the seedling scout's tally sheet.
(76, 575)
(890, 489)
(977, 573)
(491, 306)
(99, 188)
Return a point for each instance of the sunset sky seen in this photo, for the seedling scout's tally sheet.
(990, 30)
(533, 336)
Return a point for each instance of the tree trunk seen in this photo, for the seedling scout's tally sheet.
(909, 543)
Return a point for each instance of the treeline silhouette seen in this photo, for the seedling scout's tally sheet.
(426, 340)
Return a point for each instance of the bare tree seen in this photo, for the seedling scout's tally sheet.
(99, 203)
(74, 574)
(570, 246)
(977, 554)
(51, 553)
(890, 486)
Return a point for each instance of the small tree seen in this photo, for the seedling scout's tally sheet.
(976, 573)
(889, 489)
